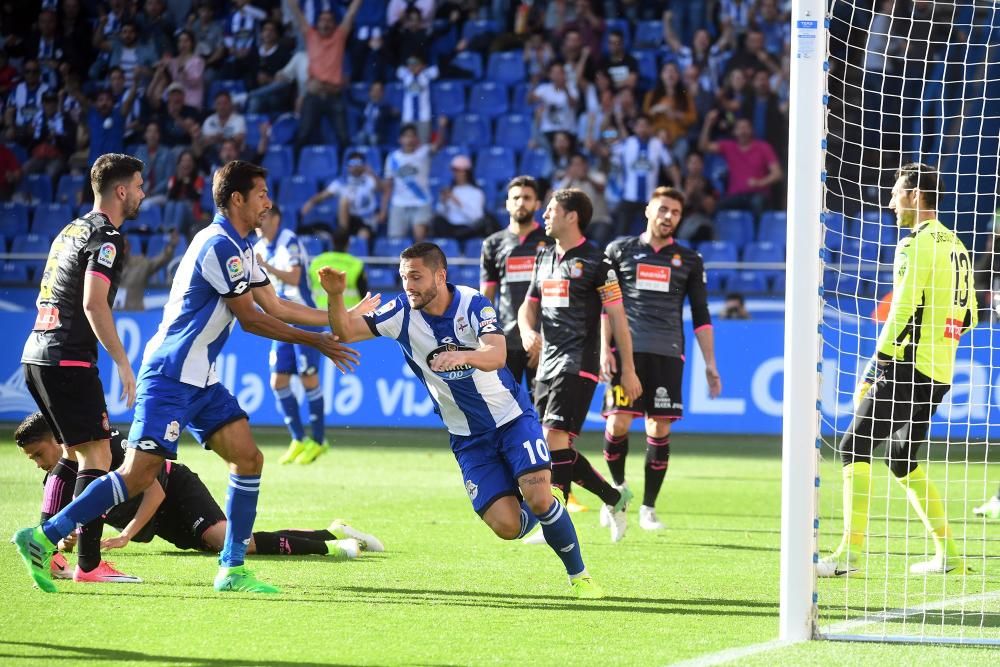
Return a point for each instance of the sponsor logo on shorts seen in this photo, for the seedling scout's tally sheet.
(471, 489)
(106, 255)
(553, 417)
(173, 432)
(234, 266)
(661, 398)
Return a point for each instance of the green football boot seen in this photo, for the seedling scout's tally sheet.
(241, 580)
(36, 551)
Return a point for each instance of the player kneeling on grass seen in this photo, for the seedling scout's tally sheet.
(452, 341)
(933, 304)
(177, 507)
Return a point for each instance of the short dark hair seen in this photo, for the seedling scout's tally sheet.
(341, 239)
(430, 253)
(223, 93)
(672, 193)
(616, 33)
(33, 429)
(235, 176)
(355, 154)
(574, 200)
(578, 154)
(408, 127)
(111, 169)
(736, 296)
(923, 177)
(523, 181)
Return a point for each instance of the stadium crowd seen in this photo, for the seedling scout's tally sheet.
(403, 119)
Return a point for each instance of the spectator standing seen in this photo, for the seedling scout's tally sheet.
(272, 55)
(621, 67)
(186, 69)
(106, 124)
(26, 100)
(138, 270)
(671, 109)
(579, 175)
(555, 102)
(700, 199)
(136, 58)
(753, 165)
(375, 117)
(763, 109)
(406, 192)
(416, 78)
(158, 163)
(186, 187)
(178, 121)
(241, 39)
(53, 138)
(588, 24)
(208, 35)
(461, 210)
(643, 159)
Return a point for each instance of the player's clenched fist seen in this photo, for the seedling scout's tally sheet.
(333, 281)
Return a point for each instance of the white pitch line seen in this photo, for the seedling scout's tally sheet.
(731, 654)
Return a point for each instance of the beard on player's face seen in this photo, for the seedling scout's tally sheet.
(130, 208)
(419, 299)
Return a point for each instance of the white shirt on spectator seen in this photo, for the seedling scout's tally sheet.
(467, 209)
(362, 192)
(410, 174)
(235, 125)
(557, 108)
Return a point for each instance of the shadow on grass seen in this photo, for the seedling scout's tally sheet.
(88, 654)
(727, 547)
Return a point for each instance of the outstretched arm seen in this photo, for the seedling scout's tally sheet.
(152, 497)
(349, 326)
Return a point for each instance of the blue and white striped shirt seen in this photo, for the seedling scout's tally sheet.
(285, 253)
(219, 263)
(469, 401)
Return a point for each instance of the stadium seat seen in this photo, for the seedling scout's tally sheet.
(466, 275)
(513, 131)
(318, 161)
(13, 273)
(855, 250)
(390, 247)
(648, 35)
(536, 162)
(393, 95)
(50, 219)
(30, 243)
(717, 171)
(373, 156)
(136, 243)
(473, 29)
(253, 121)
(506, 67)
(717, 279)
(441, 162)
(494, 165)
(621, 25)
(747, 282)
(840, 283)
(765, 251)
(718, 251)
(314, 245)
(471, 130)
(38, 188)
(231, 86)
(358, 246)
(69, 189)
(473, 248)
(279, 162)
(489, 99)
(471, 62)
(359, 92)
(150, 217)
(294, 191)
(447, 98)
(157, 242)
(380, 277)
(283, 129)
(648, 68)
(323, 214)
(773, 227)
(13, 218)
(449, 247)
(734, 226)
(519, 96)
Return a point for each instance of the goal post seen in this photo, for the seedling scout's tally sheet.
(803, 311)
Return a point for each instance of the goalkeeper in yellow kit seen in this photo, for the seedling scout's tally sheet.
(933, 304)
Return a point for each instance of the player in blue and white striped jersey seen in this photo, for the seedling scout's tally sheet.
(453, 343)
(217, 282)
(286, 262)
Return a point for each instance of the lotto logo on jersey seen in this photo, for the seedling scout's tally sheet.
(519, 269)
(106, 255)
(234, 266)
(555, 293)
(653, 278)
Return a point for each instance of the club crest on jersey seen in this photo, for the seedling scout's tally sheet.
(471, 489)
(106, 255)
(676, 261)
(173, 432)
(235, 268)
(386, 308)
(576, 271)
(460, 324)
(105, 422)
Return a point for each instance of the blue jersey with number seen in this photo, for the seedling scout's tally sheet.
(469, 401)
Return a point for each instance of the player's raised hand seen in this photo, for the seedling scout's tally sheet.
(333, 281)
(366, 305)
(128, 383)
(343, 357)
(631, 385)
(714, 381)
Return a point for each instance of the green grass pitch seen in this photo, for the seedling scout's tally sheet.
(448, 592)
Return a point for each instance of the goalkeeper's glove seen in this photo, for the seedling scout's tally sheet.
(873, 372)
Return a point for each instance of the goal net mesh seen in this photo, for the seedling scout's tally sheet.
(910, 81)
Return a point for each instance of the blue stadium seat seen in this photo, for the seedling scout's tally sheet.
(779, 283)
(31, 243)
(150, 217)
(648, 35)
(253, 128)
(380, 278)
(358, 246)
(717, 171)
(536, 162)
(314, 245)
(447, 98)
(18, 150)
(773, 227)
(441, 162)
(359, 92)
(157, 242)
(325, 213)
(519, 96)
(495, 164)
(648, 68)
(390, 247)
(318, 161)
(855, 250)
(718, 251)
(473, 29)
(466, 275)
(840, 283)
(513, 131)
(506, 67)
(734, 226)
(70, 188)
(488, 98)
(473, 248)
(621, 25)
(765, 251)
(471, 62)
(13, 218)
(471, 130)
(13, 273)
(373, 156)
(394, 95)
(231, 86)
(50, 219)
(717, 279)
(283, 129)
(747, 282)
(294, 191)
(279, 162)
(449, 247)
(38, 187)
(136, 243)
(207, 201)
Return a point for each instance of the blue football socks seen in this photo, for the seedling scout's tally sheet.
(289, 406)
(241, 510)
(560, 534)
(101, 495)
(317, 420)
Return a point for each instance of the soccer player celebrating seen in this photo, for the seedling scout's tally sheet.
(177, 507)
(572, 281)
(506, 266)
(285, 261)
(218, 281)
(933, 304)
(78, 286)
(656, 274)
(450, 339)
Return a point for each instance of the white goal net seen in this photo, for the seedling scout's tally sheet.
(910, 81)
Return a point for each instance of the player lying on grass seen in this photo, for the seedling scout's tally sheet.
(177, 508)
(452, 341)
(933, 304)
